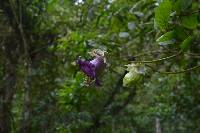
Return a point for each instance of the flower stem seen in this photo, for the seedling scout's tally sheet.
(161, 59)
(177, 72)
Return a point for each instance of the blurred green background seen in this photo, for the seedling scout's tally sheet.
(43, 90)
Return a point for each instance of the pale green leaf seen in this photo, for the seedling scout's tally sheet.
(186, 43)
(162, 14)
(167, 38)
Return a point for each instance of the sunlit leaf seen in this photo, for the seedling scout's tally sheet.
(167, 38)
(186, 43)
(162, 14)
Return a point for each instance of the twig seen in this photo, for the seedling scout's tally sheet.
(190, 13)
(161, 59)
(193, 55)
(177, 72)
(146, 53)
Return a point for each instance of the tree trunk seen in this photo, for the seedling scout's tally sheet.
(158, 126)
(5, 115)
(26, 112)
(6, 95)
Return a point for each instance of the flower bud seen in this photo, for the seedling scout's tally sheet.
(134, 75)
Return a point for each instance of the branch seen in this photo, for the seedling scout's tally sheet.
(193, 55)
(20, 28)
(114, 92)
(161, 59)
(97, 117)
(190, 13)
(177, 72)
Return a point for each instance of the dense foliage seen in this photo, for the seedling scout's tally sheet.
(151, 82)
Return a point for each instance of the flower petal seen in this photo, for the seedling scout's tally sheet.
(87, 68)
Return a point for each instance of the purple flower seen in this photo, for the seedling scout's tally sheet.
(92, 68)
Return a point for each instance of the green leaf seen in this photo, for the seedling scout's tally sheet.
(162, 14)
(186, 4)
(167, 38)
(180, 33)
(182, 5)
(177, 6)
(186, 43)
(190, 22)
